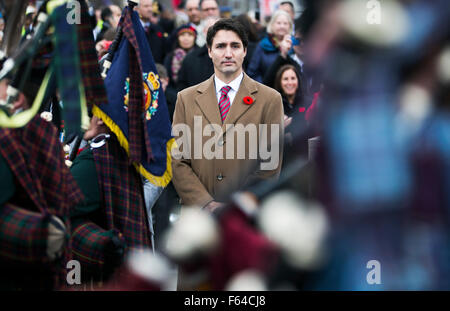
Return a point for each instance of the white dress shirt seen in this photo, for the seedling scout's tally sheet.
(145, 24)
(234, 87)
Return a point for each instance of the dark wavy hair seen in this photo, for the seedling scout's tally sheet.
(227, 24)
(252, 32)
(277, 84)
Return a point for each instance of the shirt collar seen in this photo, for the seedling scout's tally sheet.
(145, 24)
(234, 84)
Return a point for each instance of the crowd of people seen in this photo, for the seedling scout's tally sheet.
(358, 120)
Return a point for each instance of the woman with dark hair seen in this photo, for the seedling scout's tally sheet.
(288, 83)
(184, 42)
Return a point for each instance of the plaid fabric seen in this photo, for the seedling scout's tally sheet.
(90, 244)
(67, 68)
(35, 156)
(137, 124)
(121, 191)
(17, 225)
(90, 69)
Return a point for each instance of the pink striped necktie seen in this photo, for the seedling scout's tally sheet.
(224, 102)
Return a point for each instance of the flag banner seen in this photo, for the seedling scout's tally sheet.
(90, 68)
(136, 111)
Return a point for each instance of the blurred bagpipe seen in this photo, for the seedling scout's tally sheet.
(54, 65)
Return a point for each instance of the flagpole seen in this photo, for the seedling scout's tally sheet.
(115, 45)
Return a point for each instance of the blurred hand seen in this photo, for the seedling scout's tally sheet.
(287, 121)
(285, 45)
(20, 103)
(211, 206)
(102, 47)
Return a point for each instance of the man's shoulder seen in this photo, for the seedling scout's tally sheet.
(192, 90)
(188, 91)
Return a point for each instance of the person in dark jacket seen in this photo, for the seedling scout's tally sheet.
(197, 65)
(184, 42)
(154, 32)
(110, 16)
(310, 81)
(279, 30)
(252, 34)
(288, 83)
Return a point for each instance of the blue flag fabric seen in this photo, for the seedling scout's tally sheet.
(151, 128)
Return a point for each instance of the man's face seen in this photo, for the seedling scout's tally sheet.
(210, 8)
(114, 21)
(289, 9)
(227, 53)
(193, 11)
(145, 9)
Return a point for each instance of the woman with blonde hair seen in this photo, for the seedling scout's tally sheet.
(278, 33)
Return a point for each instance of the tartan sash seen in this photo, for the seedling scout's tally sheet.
(122, 195)
(17, 225)
(36, 159)
(66, 65)
(90, 69)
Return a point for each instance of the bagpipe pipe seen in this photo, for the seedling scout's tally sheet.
(16, 68)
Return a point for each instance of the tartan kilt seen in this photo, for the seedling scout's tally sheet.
(23, 234)
(99, 251)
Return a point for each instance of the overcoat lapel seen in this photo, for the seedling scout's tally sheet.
(238, 108)
(207, 101)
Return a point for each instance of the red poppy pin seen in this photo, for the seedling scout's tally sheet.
(301, 109)
(248, 100)
(159, 34)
